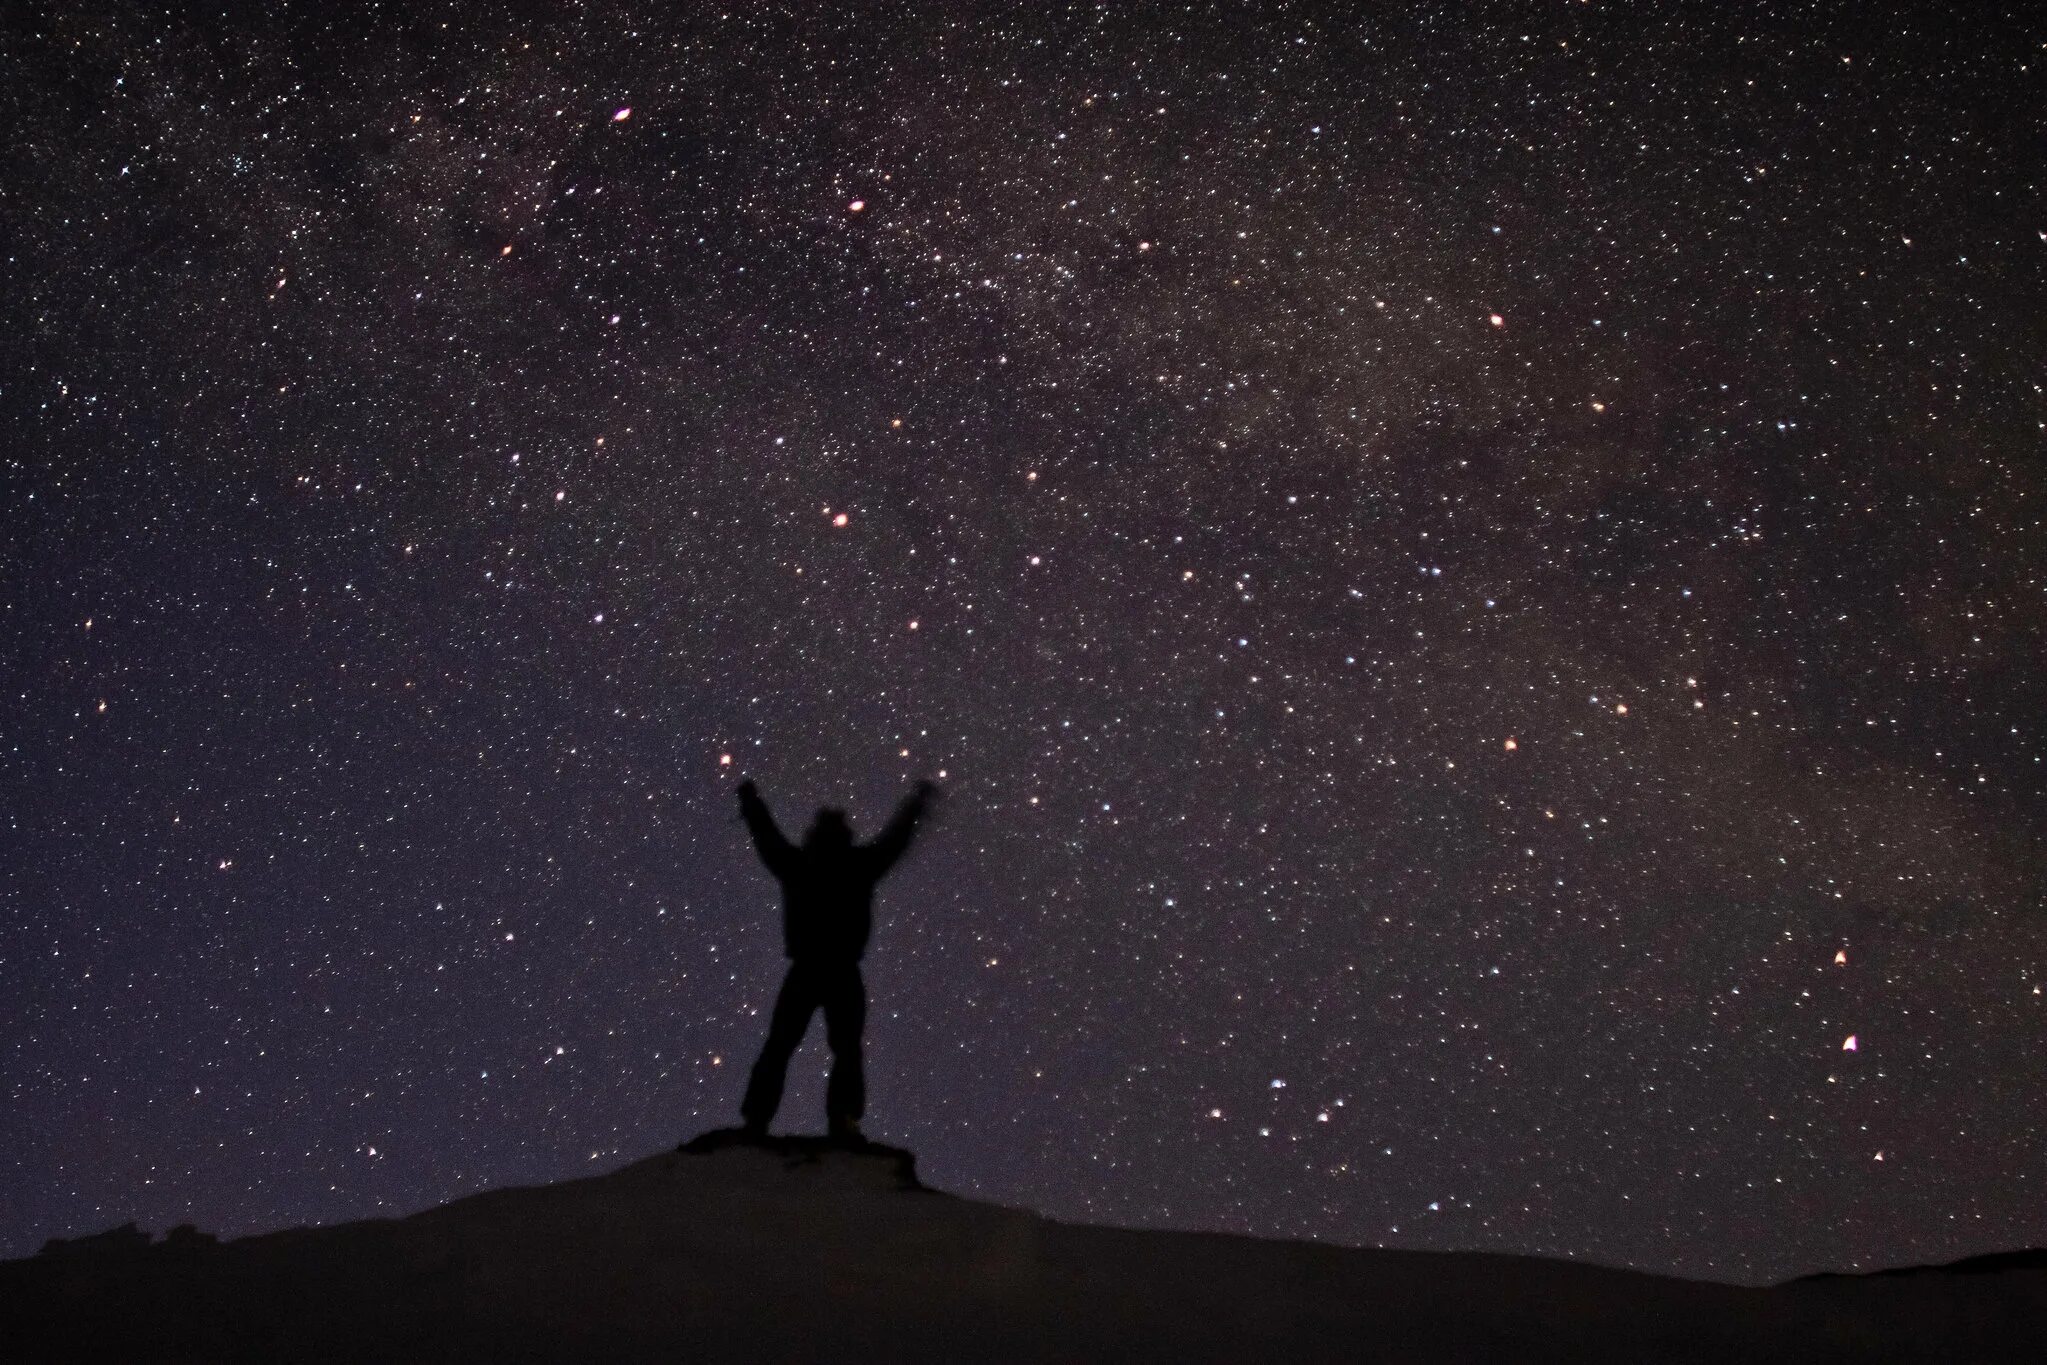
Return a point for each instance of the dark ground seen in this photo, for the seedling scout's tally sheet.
(798, 1250)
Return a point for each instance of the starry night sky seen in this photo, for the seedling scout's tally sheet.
(1475, 576)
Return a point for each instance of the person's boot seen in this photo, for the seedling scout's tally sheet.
(847, 1131)
(754, 1130)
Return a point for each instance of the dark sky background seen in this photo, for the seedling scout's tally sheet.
(1475, 576)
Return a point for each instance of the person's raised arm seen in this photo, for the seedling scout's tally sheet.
(895, 837)
(775, 849)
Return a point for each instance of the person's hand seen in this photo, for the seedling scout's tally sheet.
(925, 790)
(747, 790)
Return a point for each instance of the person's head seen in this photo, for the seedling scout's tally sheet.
(829, 830)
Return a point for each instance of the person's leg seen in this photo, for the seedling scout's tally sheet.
(845, 1019)
(785, 1031)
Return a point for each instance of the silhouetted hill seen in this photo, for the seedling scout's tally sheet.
(799, 1251)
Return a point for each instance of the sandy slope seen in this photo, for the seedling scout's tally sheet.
(804, 1253)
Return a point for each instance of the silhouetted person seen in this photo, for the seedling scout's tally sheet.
(827, 911)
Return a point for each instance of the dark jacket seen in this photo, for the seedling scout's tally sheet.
(828, 892)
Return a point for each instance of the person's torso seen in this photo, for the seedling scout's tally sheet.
(827, 908)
